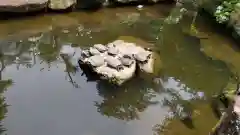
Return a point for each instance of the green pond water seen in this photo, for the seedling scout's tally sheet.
(45, 95)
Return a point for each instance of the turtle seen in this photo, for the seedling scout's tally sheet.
(114, 63)
(94, 51)
(100, 47)
(109, 45)
(148, 49)
(118, 42)
(127, 60)
(143, 56)
(85, 53)
(112, 51)
(95, 61)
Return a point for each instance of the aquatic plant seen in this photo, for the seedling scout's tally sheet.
(224, 10)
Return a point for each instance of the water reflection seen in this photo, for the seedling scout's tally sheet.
(185, 71)
(193, 67)
(179, 100)
(3, 106)
(4, 84)
(128, 101)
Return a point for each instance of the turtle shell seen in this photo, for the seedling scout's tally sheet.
(100, 47)
(127, 60)
(113, 62)
(112, 51)
(109, 45)
(142, 56)
(94, 51)
(96, 61)
(85, 53)
(118, 42)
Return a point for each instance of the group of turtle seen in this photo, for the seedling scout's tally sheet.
(117, 59)
(110, 56)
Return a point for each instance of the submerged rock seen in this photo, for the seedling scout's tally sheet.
(61, 4)
(22, 5)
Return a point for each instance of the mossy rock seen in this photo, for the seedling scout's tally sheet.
(135, 40)
(61, 4)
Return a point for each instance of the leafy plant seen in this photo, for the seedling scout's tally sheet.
(224, 10)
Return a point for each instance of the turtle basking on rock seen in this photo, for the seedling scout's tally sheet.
(109, 45)
(127, 60)
(114, 63)
(85, 53)
(100, 47)
(143, 56)
(113, 51)
(95, 61)
(94, 51)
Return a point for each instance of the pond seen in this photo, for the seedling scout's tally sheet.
(45, 94)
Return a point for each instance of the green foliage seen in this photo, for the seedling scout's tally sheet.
(224, 10)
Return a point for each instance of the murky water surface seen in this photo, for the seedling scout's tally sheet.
(47, 95)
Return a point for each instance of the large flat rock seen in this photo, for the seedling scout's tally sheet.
(61, 4)
(22, 5)
(129, 1)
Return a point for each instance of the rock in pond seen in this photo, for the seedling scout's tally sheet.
(22, 5)
(121, 66)
(138, 1)
(61, 4)
(90, 4)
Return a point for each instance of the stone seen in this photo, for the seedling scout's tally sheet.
(126, 1)
(121, 67)
(61, 4)
(22, 5)
(138, 1)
